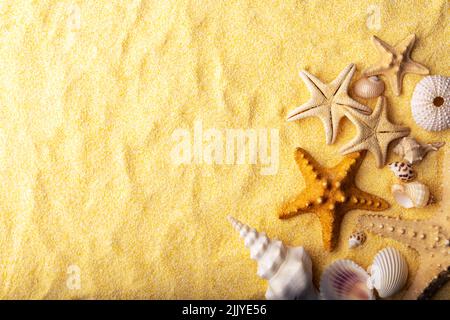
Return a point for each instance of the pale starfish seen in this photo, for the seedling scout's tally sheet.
(328, 101)
(330, 193)
(395, 62)
(375, 132)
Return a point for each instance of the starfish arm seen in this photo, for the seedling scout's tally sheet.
(375, 70)
(347, 168)
(394, 228)
(415, 67)
(406, 45)
(303, 203)
(327, 121)
(303, 111)
(360, 200)
(382, 46)
(395, 79)
(342, 81)
(330, 224)
(314, 85)
(344, 101)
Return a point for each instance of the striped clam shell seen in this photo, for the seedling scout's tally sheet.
(388, 273)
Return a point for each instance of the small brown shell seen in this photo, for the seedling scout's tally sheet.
(368, 88)
(356, 239)
(403, 170)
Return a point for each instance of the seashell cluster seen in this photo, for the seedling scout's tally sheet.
(288, 269)
(368, 88)
(430, 103)
(345, 280)
(356, 239)
(402, 170)
(388, 273)
(412, 151)
(411, 195)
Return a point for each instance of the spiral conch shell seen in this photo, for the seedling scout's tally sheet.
(411, 195)
(388, 273)
(368, 88)
(288, 269)
(430, 103)
(345, 280)
(413, 151)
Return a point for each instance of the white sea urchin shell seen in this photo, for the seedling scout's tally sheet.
(430, 103)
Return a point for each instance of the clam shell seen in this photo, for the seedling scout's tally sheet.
(411, 195)
(368, 88)
(430, 103)
(388, 273)
(402, 170)
(345, 280)
(356, 239)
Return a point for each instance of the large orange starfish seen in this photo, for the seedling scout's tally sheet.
(330, 193)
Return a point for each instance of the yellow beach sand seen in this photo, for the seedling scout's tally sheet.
(93, 204)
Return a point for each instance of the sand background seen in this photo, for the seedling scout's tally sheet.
(90, 94)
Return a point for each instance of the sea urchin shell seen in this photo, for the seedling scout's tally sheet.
(430, 103)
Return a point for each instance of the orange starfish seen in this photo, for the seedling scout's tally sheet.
(330, 193)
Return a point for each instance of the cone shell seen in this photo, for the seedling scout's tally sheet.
(345, 280)
(288, 269)
(403, 171)
(388, 273)
(430, 103)
(411, 195)
(356, 239)
(368, 88)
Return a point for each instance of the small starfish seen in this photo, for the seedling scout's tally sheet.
(375, 132)
(429, 237)
(330, 193)
(395, 62)
(328, 101)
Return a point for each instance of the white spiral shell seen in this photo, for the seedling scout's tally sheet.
(430, 103)
(345, 280)
(388, 273)
(288, 269)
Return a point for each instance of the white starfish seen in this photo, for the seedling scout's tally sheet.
(328, 101)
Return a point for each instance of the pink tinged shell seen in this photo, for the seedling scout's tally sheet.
(402, 170)
(368, 88)
(345, 280)
(388, 273)
(430, 103)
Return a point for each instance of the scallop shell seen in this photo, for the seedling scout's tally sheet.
(356, 239)
(430, 103)
(402, 170)
(287, 269)
(413, 151)
(371, 87)
(411, 195)
(345, 280)
(388, 273)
